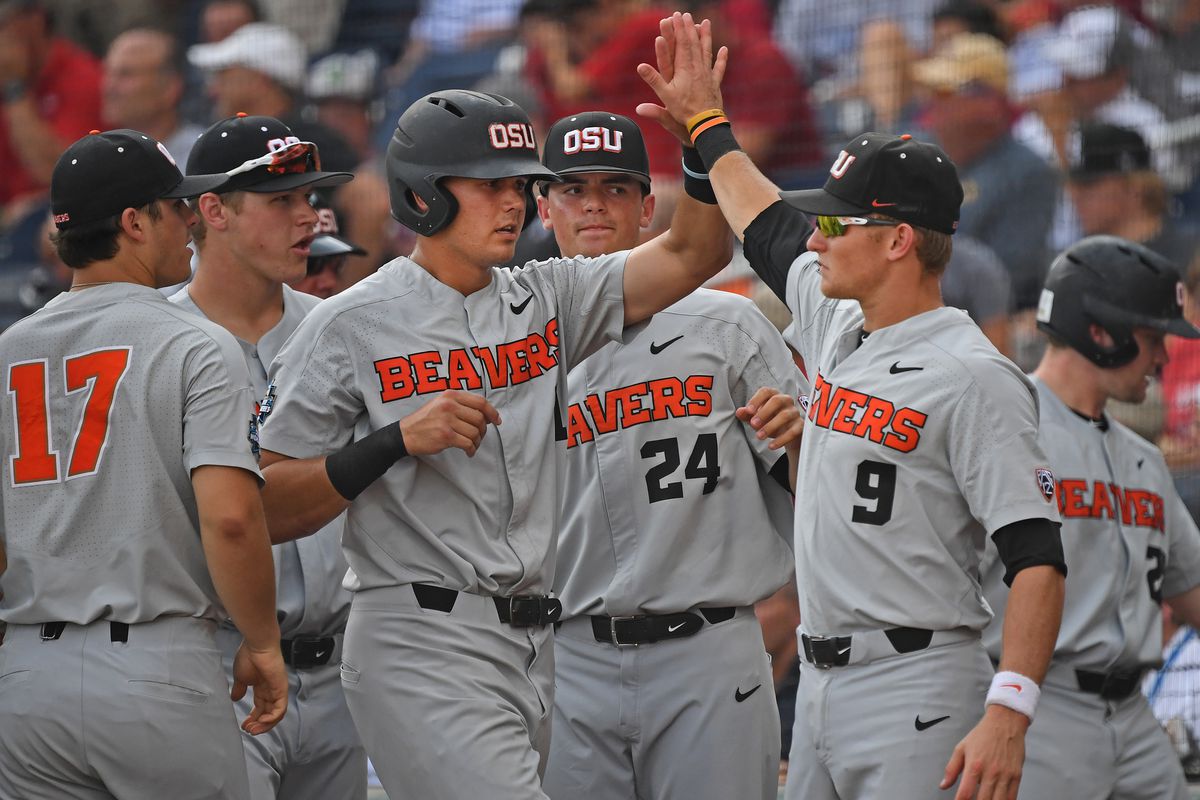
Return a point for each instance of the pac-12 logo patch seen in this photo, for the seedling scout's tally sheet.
(1045, 481)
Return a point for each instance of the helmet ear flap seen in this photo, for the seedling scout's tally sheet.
(440, 205)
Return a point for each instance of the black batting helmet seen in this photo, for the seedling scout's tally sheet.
(456, 133)
(1116, 284)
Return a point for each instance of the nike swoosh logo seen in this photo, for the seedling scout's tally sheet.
(1016, 686)
(1140, 460)
(877, 204)
(844, 650)
(320, 654)
(923, 725)
(655, 349)
(673, 628)
(517, 309)
(739, 696)
(896, 369)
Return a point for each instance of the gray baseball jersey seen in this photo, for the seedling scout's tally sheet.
(310, 601)
(366, 358)
(670, 506)
(1130, 542)
(668, 502)
(1126, 534)
(114, 396)
(449, 703)
(99, 516)
(920, 443)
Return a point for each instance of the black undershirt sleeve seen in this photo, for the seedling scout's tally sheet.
(1029, 543)
(773, 241)
(781, 473)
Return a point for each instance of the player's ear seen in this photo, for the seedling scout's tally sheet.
(212, 210)
(647, 211)
(543, 209)
(901, 240)
(1101, 337)
(133, 224)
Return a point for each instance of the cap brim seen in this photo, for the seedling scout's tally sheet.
(250, 182)
(641, 176)
(326, 244)
(1182, 328)
(819, 201)
(196, 185)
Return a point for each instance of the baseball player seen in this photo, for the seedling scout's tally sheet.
(132, 521)
(382, 399)
(327, 253)
(257, 234)
(1131, 544)
(654, 581)
(921, 442)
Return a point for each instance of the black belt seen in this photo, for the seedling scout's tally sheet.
(519, 611)
(824, 652)
(306, 652)
(650, 628)
(117, 631)
(1109, 685)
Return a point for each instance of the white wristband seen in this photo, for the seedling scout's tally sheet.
(1013, 690)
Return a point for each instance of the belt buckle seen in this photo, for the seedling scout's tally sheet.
(831, 657)
(612, 629)
(524, 611)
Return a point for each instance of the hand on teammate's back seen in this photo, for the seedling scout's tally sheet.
(990, 757)
(452, 419)
(775, 415)
(264, 673)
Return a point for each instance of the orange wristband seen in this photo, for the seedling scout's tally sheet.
(703, 115)
(712, 123)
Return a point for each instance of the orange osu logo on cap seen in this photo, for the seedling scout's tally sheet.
(505, 136)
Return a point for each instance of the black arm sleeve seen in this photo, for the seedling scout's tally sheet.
(779, 471)
(359, 464)
(773, 241)
(1029, 543)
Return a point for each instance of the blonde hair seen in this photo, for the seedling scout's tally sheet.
(233, 200)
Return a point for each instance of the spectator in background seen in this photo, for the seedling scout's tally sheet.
(965, 16)
(142, 88)
(341, 90)
(1116, 190)
(1009, 192)
(1180, 442)
(1173, 691)
(50, 91)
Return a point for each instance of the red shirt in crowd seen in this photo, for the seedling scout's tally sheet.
(1181, 390)
(67, 94)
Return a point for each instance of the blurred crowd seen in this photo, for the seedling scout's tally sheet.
(1065, 118)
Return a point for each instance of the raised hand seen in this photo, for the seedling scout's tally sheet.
(687, 79)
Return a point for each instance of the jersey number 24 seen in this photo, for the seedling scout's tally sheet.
(99, 372)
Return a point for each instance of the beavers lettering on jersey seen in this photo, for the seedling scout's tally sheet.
(847, 411)
(638, 403)
(1099, 500)
(503, 365)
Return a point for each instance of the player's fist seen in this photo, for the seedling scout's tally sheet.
(264, 673)
(452, 419)
(774, 415)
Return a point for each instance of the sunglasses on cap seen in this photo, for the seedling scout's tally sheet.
(298, 157)
(836, 226)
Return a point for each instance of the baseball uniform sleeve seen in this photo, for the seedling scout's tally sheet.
(767, 362)
(994, 452)
(312, 399)
(591, 300)
(1183, 541)
(773, 241)
(216, 417)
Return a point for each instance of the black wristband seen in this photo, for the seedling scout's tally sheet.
(698, 188)
(359, 464)
(714, 143)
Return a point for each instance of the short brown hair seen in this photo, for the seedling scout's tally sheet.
(232, 199)
(933, 248)
(94, 241)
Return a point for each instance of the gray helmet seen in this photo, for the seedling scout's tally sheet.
(456, 133)
(1117, 284)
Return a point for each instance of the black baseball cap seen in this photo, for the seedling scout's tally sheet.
(897, 176)
(596, 141)
(329, 241)
(1104, 149)
(230, 143)
(102, 174)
